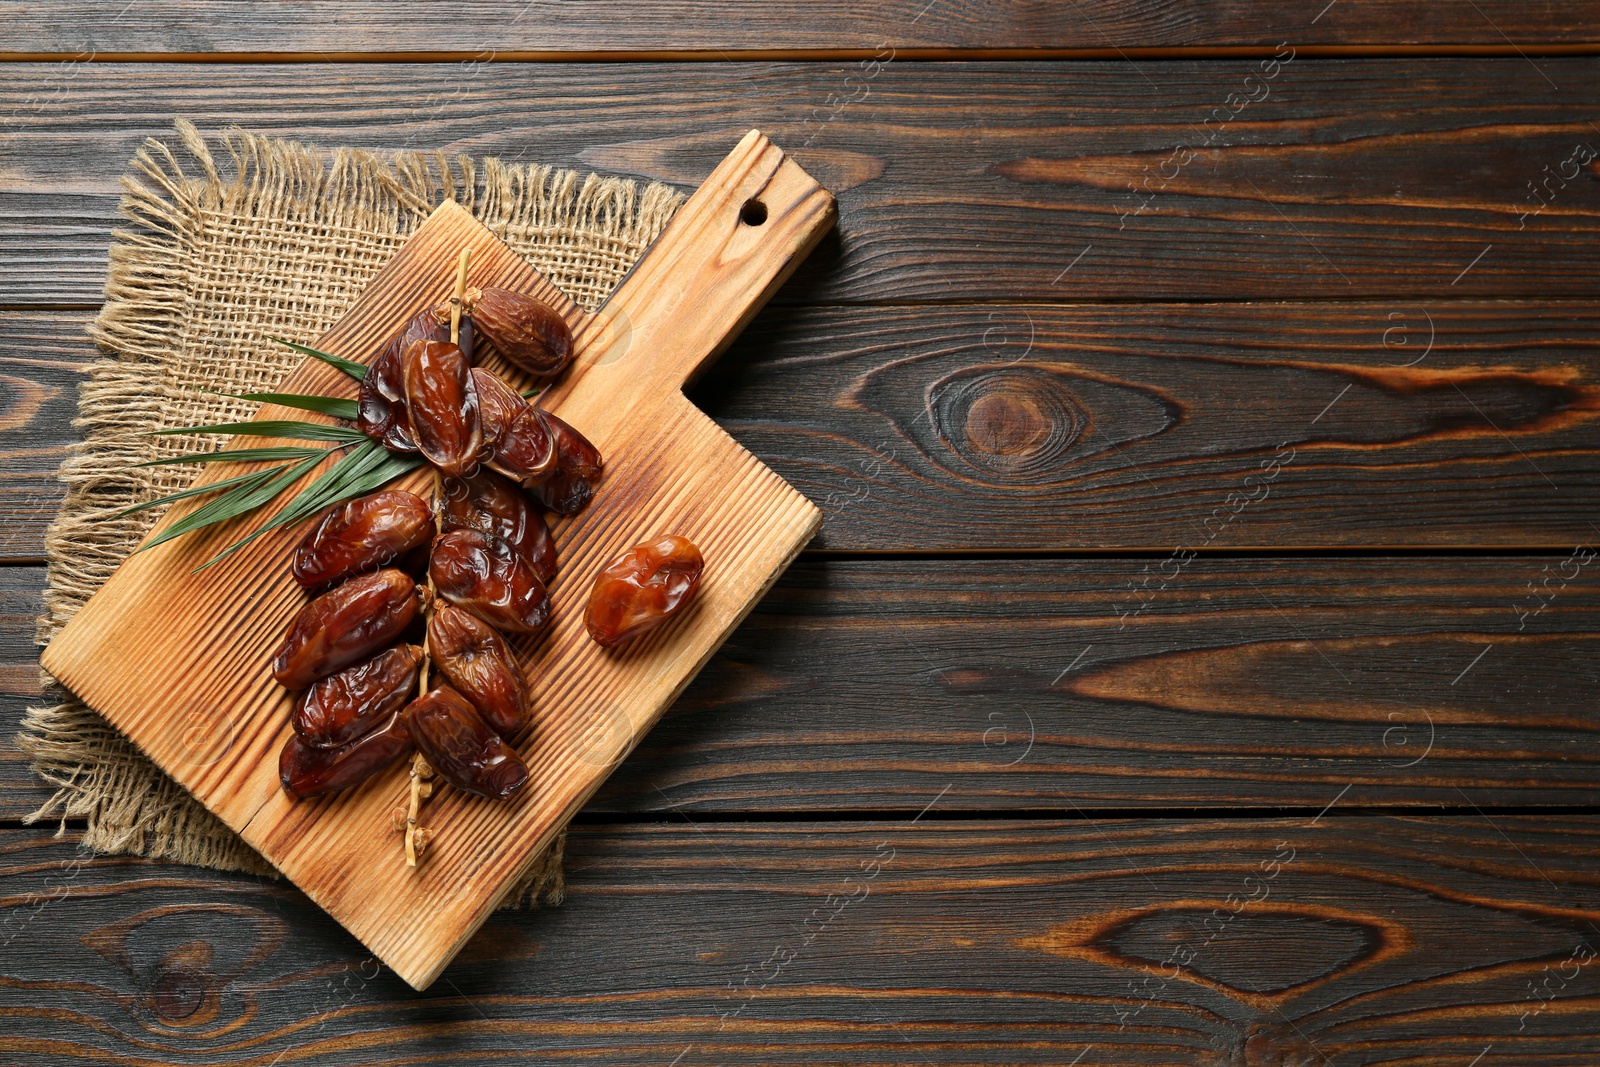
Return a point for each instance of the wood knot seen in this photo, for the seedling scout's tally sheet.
(1013, 421)
(1007, 423)
(1224, 947)
(178, 994)
(184, 964)
(183, 986)
(1220, 944)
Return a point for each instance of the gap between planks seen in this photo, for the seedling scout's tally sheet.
(835, 55)
(1075, 813)
(1288, 554)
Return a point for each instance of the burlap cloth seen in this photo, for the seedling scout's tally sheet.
(280, 239)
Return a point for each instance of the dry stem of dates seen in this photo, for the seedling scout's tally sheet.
(417, 835)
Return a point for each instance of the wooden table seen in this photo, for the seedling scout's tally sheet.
(1198, 663)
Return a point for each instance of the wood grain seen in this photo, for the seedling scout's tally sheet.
(20, 687)
(957, 182)
(862, 686)
(43, 358)
(1177, 428)
(668, 468)
(1054, 685)
(1348, 941)
(630, 30)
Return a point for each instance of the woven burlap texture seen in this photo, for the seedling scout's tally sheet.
(277, 240)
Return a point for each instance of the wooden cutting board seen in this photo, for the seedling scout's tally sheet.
(179, 661)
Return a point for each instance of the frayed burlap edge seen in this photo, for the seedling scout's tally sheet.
(581, 231)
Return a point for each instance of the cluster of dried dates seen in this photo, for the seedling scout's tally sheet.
(460, 572)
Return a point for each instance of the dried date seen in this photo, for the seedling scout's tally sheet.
(382, 407)
(344, 706)
(492, 504)
(518, 439)
(577, 470)
(462, 748)
(483, 574)
(479, 664)
(305, 771)
(362, 535)
(345, 625)
(442, 403)
(526, 331)
(642, 588)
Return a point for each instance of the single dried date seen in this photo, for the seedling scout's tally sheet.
(345, 625)
(518, 439)
(526, 331)
(483, 574)
(305, 771)
(344, 706)
(362, 535)
(577, 471)
(442, 402)
(479, 664)
(495, 505)
(642, 588)
(460, 746)
(382, 407)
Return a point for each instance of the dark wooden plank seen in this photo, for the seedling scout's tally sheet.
(1049, 684)
(1177, 427)
(957, 182)
(1056, 685)
(43, 358)
(994, 427)
(709, 27)
(20, 589)
(1350, 941)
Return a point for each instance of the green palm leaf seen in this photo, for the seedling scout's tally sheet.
(299, 431)
(355, 370)
(241, 455)
(251, 492)
(364, 469)
(253, 478)
(327, 405)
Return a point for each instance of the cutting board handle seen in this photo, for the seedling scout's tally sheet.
(721, 257)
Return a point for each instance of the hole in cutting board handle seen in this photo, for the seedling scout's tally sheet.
(753, 213)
